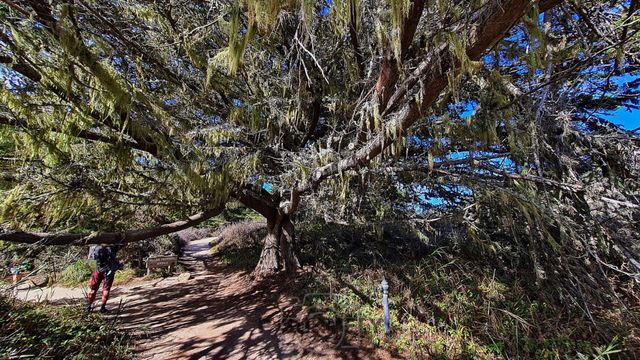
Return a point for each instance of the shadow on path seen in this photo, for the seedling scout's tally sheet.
(222, 315)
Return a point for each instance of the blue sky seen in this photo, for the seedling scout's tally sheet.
(629, 120)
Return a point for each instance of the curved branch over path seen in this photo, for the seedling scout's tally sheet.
(109, 237)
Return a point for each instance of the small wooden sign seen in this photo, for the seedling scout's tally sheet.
(161, 261)
(39, 280)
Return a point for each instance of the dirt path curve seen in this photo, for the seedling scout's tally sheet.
(218, 313)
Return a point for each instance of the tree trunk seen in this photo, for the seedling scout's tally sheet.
(288, 245)
(278, 252)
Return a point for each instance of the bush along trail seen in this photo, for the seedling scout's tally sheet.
(39, 330)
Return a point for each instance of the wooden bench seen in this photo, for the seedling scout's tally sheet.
(155, 262)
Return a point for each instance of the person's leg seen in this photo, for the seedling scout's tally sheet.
(91, 296)
(94, 285)
(106, 290)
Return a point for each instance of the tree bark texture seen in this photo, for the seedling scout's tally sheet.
(278, 252)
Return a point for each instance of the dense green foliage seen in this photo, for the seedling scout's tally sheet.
(44, 331)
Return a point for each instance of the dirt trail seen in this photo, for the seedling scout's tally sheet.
(217, 314)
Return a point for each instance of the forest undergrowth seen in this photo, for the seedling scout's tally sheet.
(45, 331)
(446, 302)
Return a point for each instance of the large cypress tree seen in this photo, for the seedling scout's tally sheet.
(489, 110)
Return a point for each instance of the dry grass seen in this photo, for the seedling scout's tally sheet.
(240, 235)
(239, 244)
(185, 236)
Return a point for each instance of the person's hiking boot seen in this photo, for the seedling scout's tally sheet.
(88, 308)
(103, 309)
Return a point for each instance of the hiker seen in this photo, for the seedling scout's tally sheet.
(106, 266)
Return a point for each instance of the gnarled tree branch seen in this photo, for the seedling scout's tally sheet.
(109, 237)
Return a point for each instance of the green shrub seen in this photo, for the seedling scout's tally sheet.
(244, 259)
(448, 306)
(127, 274)
(43, 331)
(78, 272)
